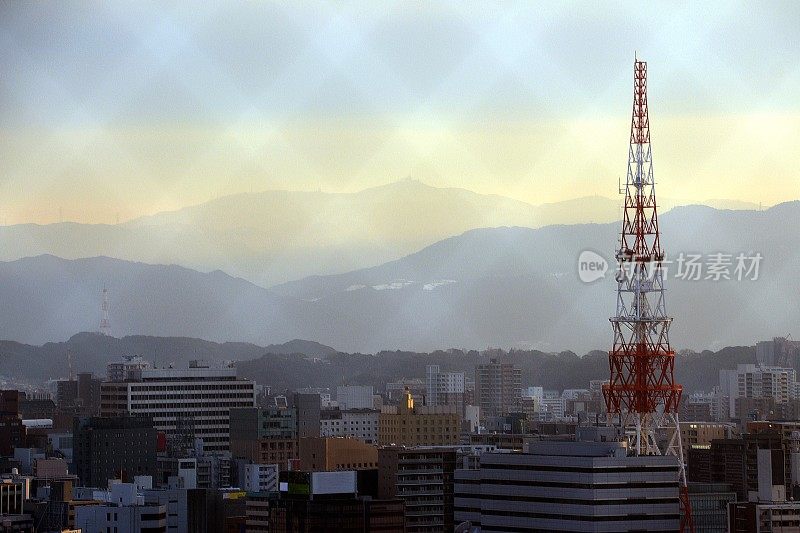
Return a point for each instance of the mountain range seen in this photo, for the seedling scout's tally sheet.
(277, 236)
(90, 352)
(501, 287)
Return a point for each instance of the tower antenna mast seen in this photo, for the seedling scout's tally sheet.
(105, 325)
(642, 394)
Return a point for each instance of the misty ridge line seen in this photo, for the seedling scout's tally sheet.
(510, 287)
(667, 203)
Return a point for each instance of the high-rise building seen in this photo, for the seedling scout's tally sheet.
(309, 413)
(407, 425)
(196, 400)
(79, 396)
(748, 381)
(12, 431)
(423, 478)
(119, 447)
(444, 388)
(264, 435)
(779, 351)
(570, 486)
(498, 388)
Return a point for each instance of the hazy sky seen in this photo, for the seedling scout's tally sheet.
(124, 108)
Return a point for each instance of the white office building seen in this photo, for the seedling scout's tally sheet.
(361, 424)
(443, 388)
(757, 381)
(196, 399)
(354, 397)
(553, 404)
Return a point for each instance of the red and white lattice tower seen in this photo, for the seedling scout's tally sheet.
(642, 394)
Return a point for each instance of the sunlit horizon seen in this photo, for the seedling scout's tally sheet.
(119, 110)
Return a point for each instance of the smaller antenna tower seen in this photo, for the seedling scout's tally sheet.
(69, 363)
(105, 325)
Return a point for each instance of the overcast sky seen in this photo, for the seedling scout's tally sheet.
(119, 109)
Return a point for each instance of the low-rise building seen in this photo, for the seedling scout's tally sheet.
(570, 486)
(325, 454)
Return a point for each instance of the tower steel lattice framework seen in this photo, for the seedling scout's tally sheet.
(642, 394)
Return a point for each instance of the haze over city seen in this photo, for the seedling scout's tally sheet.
(451, 267)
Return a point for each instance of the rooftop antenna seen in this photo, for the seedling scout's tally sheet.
(105, 326)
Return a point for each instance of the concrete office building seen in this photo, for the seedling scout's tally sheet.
(569, 486)
(195, 400)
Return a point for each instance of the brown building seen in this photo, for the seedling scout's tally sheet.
(702, 433)
(423, 478)
(735, 461)
(81, 396)
(498, 388)
(264, 435)
(325, 454)
(698, 463)
(12, 432)
(407, 425)
(336, 515)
